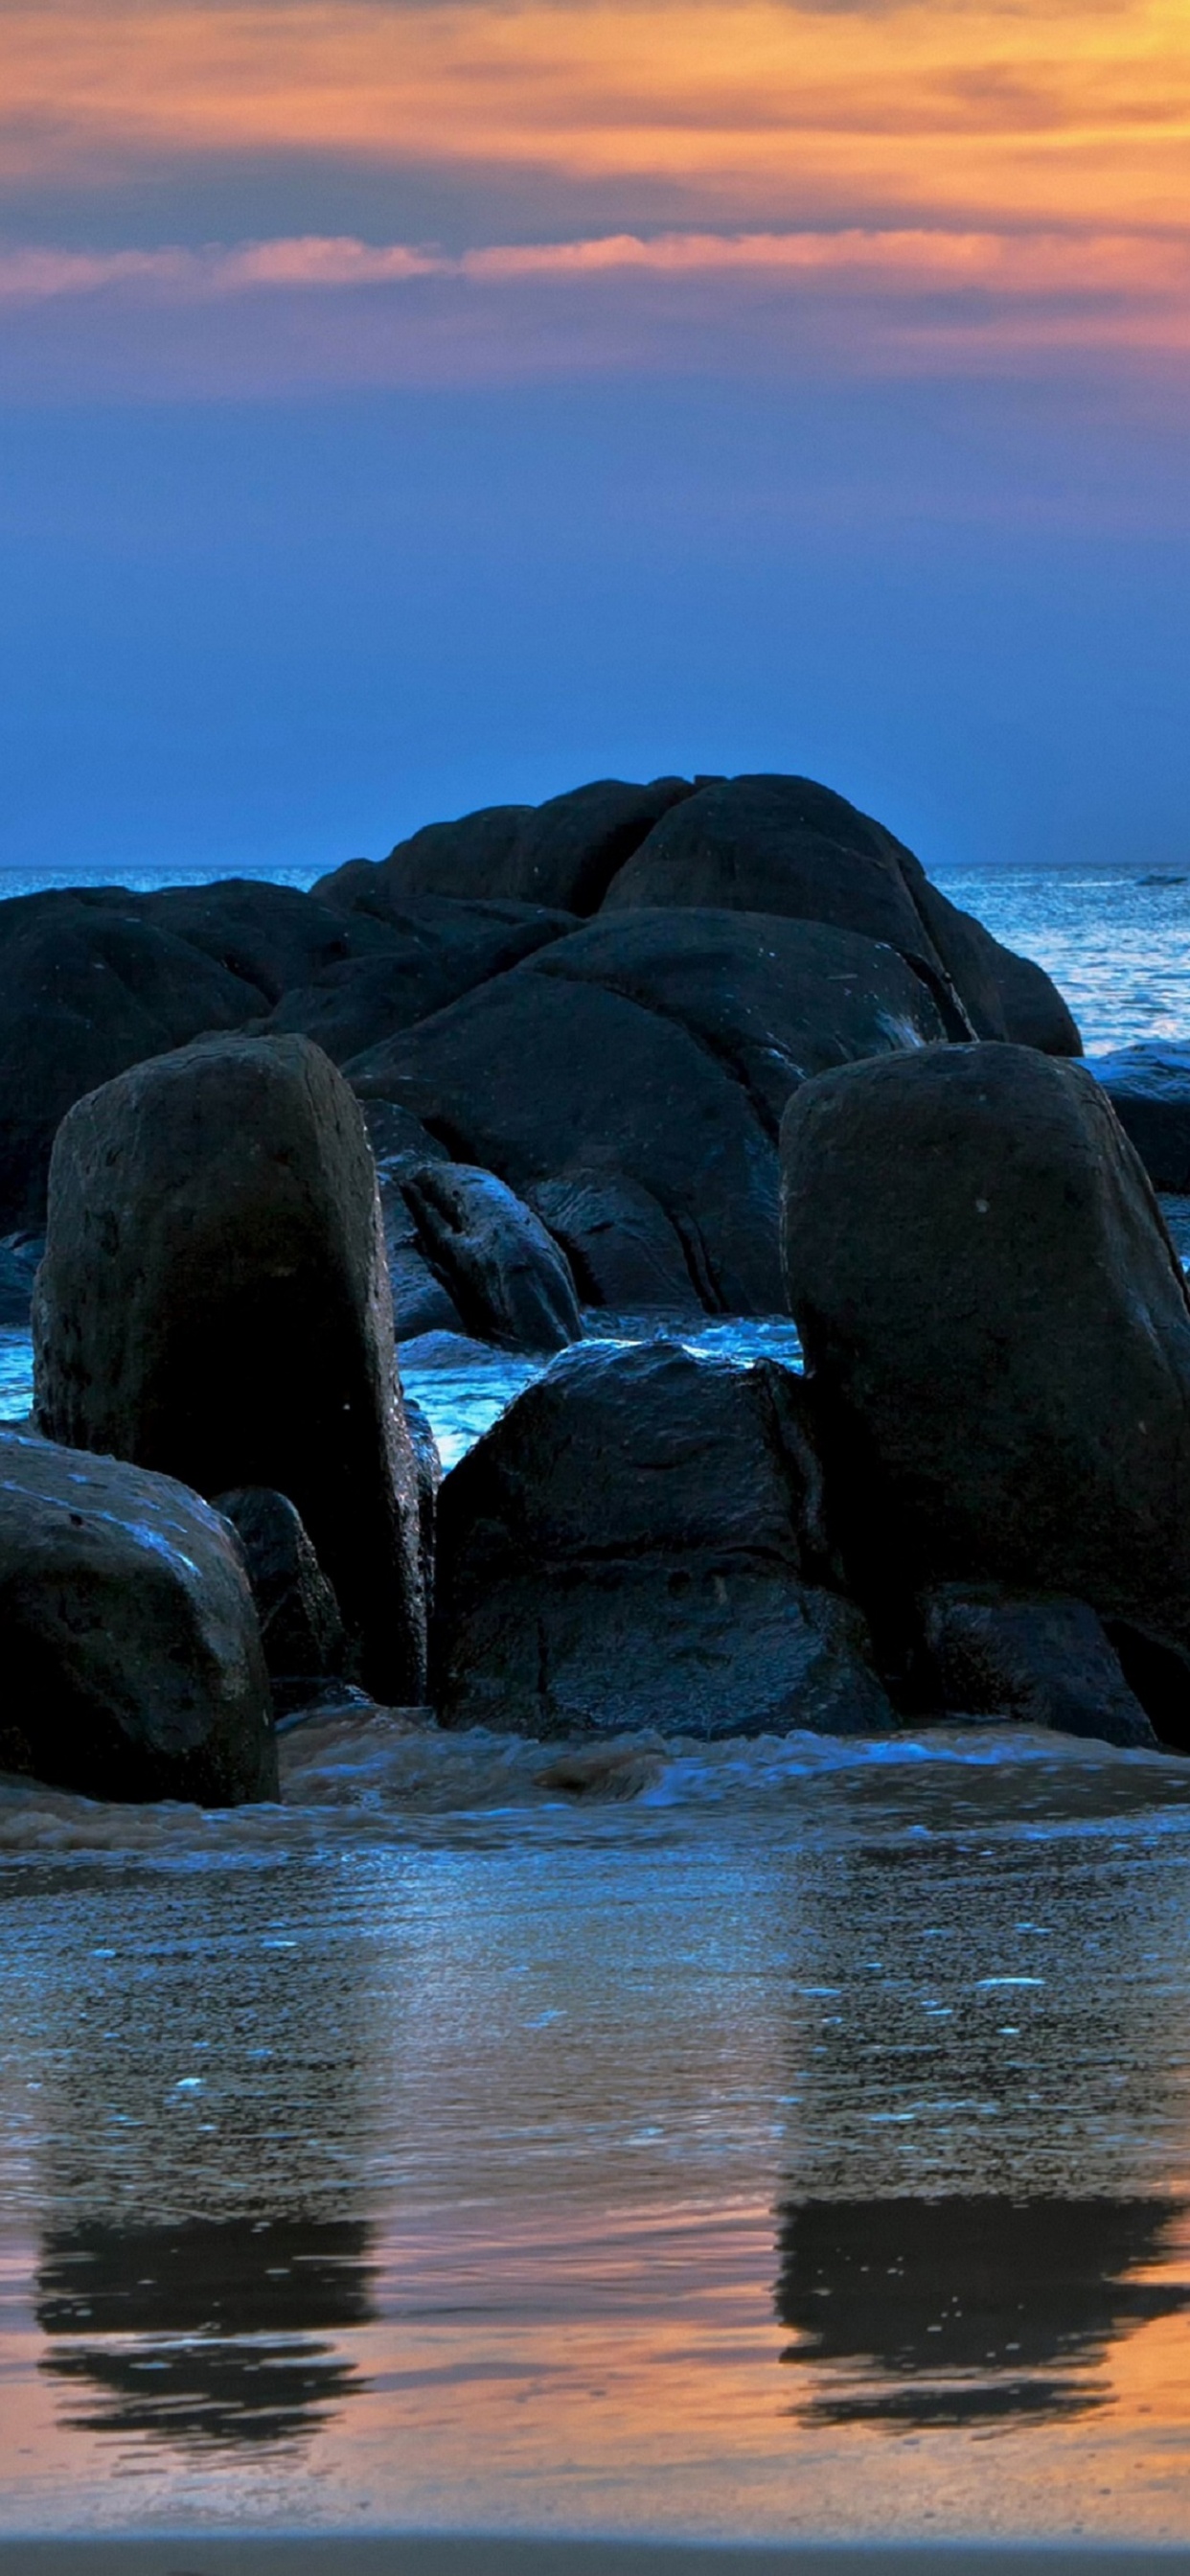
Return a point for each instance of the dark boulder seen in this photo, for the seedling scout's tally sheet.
(300, 1626)
(785, 845)
(437, 950)
(624, 1251)
(19, 1257)
(565, 852)
(773, 1000)
(128, 1635)
(468, 859)
(87, 987)
(1149, 1088)
(568, 850)
(532, 1077)
(400, 1144)
(635, 1545)
(1039, 1660)
(214, 1302)
(998, 1333)
(505, 1275)
(428, 1464)
(270, 936)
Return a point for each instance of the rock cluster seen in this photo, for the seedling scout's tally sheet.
(690, 1048)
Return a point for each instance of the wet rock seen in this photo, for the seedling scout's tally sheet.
(300, 1625)
(774, 1001)
(564, 853)
(624, 1251)
(505, 1275)
(128, 1635)
(998, 1334)
(436, 950)
(214, 1302)
(468, 860)
(568, 850)
(19, 1257)
(531, 1078)
(400, 1145)
(88, 987)
(269, 936)
(635, 1545)
(1039, 1660)
(428, 1465)
(1149, 1088)
(785, 845)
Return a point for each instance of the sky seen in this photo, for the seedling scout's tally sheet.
(407, 407)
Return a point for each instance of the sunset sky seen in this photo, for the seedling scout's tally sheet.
(410, 406)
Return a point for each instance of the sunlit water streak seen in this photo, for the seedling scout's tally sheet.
(800, 2144)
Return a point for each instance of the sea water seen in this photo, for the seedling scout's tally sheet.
(795, 2143)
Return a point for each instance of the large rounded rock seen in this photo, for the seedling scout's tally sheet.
(436, 951)
(503, 1272)
(129, 1640)
(998, 1332)
(564, 853)
(1149, 1088)
(533, 1077)
(634, 1545)
(271, 936)
(214, 1302)
(773, 1000)
(300, 1627)
(786, 845)
(87, 986)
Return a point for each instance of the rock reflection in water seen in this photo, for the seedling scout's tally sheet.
(918, 2313)
(208, 2333)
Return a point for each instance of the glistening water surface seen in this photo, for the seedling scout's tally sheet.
(785, 2138)
(800, 2144)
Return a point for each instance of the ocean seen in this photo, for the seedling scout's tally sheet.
(799, 2146)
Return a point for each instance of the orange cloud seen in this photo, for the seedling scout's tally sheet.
(1051, 114)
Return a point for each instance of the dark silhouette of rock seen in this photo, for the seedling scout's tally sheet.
(214, 1301)
(564, 853)
(19, 1257)
(1149, 1088)
(400, 1144)
(131, 1650)
(635, 1545)
(436, 950)
(300, 1626)
(468, 860)
(532, 1077)
(270, 936)
(998, 1332)
(429, 1477)
(1040, 1660)
(773, 1000)
(624, 1251)
(568, 850)
(88, 987)
(785, 845)
(505, 1275)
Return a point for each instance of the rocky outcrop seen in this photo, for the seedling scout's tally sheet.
(636, 1544)
(564, 853)
(436, 950)
(214, 1302)
(504, 1273)
(1149, 1088)
(1036, 1660)
(131, 1651)
(268, 936)
(773, 1001)
(998, 1333)
(86, 988)
(300, 1627)
(783, 845)
(533, 1078)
